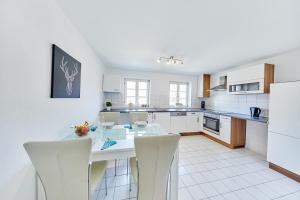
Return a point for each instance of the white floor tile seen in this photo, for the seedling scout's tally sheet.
(197, 192)
(231, 196)
(208, 189)
(183, 194)
(257, 194)
(220, 187)
(210, 171)
(243, 194)
(188, 180)
(217, 198)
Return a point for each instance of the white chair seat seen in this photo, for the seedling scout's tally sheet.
(97, 173)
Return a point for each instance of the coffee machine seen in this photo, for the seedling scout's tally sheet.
(255, 112)
(202, 104)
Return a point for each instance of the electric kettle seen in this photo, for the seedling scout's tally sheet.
(255, 112)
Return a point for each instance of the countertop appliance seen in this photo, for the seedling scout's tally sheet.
(202, 104)
(211, 123)
(284, 126)
(255, 112)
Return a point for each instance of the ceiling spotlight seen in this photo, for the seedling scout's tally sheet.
(170, 60)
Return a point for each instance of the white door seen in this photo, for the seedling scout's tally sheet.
(284, 151)
(178, 124)
(163, 119)
(193, 122)
(225, 129)
(285, 109)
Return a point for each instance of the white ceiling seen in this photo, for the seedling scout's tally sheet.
(209, 35)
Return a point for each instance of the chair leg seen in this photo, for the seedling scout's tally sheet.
(127, 166)
(115, 167)
(129, 172)
(105, 179)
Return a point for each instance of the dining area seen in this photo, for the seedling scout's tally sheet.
(83, 165)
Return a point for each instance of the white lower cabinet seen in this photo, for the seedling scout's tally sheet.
(163, 119)
(225, 129)
(194, 122)
(178, 124)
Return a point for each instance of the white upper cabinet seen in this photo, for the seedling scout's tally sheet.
(111, 83)
(251, 80)
(244, 75)
(203, 86)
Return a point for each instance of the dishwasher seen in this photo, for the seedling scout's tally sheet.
(178, 122)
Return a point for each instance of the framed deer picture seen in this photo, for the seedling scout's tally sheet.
(66, 73)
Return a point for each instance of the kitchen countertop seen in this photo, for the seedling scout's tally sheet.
(230, 114)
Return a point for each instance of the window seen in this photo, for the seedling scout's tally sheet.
(136, 91)
(178, 94)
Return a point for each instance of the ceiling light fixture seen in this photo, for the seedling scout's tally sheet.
(170, 61)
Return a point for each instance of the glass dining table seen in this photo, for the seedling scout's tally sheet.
(124, 148)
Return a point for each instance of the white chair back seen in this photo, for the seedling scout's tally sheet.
(63, 167)
(138, 116)
(110, 117)
(154, 156)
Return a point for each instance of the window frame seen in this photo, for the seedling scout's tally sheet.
(178, 92)
(137, 97)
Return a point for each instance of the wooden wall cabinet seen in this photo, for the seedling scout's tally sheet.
(203, 86)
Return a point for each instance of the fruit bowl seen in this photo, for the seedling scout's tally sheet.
(82, 130)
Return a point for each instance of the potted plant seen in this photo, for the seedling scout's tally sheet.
(108, 105)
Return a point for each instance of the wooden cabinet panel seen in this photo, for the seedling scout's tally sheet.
(203, 85)
(238, 132)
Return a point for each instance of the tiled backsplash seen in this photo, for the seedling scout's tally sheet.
(217, 101)
(238, 103)
(158, 101)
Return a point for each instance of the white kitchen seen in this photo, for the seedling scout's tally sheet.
(150, 100)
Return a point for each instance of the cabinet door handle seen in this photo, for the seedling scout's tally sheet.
(197, 119)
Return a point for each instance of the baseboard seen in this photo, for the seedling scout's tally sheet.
(285, 172)
(212, 138)
(191, 133)
(218, 141)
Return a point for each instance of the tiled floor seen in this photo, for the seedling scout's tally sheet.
(210, 171)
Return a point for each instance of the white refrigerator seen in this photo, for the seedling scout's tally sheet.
(284, 126)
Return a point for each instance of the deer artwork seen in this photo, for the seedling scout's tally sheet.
(69, 77)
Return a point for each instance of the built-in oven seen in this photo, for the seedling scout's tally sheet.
(211, 123)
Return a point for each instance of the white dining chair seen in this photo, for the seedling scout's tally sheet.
(64, 168)
(110, 117)
(151, 166)
(138, 116)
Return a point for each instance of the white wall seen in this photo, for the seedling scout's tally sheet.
(159, 87)
(287, 68)
(28, 28)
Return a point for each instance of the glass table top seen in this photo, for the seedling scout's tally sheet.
(121, 132)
